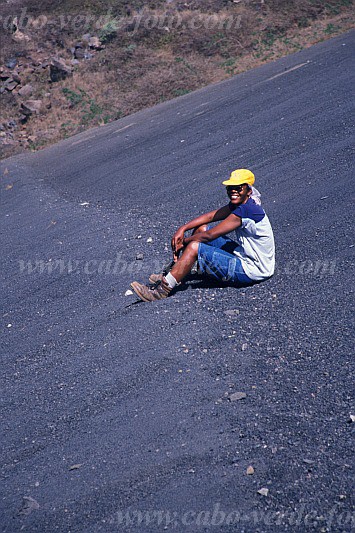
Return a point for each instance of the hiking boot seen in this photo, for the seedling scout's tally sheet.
(156, 278)
(151, 294)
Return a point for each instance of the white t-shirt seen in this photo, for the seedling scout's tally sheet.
(255, 238)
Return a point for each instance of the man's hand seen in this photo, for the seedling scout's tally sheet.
(177, 242)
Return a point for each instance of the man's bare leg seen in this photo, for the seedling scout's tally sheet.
(156, 278)
(164, 285)
(189, 256)
(185, 263)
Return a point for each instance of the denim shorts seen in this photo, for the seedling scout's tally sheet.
(216, 259)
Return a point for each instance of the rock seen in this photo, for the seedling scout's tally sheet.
(16, 77)
(86, 38)
(79, 52)
(59, 70)
(8, 141)
(31, 107)
(26, 90)
(244, 347)
(10, 84)
(128, 293)
(237, 396)
(94, 42)
(139, 257)
(11, 63)
(149, 240)
(75, 467)
(250, 471)
(28, 505)
(232, 313)
(351, 419)
(263, 491)
(20, 37)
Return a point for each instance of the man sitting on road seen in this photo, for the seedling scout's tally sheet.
(249, 259)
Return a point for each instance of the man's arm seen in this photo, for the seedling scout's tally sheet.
(207, 218)
(231, 223)
(213, 216)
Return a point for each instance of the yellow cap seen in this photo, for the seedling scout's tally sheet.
(240, 176)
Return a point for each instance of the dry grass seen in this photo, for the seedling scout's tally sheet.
(141, 68)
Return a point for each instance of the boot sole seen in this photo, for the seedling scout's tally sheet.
(137, 291)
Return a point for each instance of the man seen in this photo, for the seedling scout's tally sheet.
(249, 259)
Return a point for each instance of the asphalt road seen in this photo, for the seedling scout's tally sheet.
(112, 408)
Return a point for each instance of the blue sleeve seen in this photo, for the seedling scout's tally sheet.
(238, 211)
(249, 210)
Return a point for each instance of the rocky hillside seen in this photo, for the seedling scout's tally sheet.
(75, 66)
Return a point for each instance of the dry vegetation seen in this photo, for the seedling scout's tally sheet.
(146, 63)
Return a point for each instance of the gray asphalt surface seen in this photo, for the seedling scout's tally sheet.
(135, 396)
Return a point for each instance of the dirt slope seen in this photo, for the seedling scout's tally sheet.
(133, 55)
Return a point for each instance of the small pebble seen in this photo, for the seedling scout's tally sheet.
(237, 396)
(232, 312)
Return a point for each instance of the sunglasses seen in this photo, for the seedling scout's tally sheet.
(237, 188)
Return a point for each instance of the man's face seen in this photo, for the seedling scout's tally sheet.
(238, 194)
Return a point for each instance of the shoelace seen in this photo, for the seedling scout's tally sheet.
(155, 285)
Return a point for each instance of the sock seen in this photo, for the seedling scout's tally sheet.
(171, 281)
